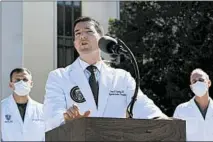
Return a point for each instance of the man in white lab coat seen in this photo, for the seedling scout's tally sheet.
(198, 112)
(21, 117)
(89, 87)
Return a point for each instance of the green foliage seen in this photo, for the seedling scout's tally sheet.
(169, 40)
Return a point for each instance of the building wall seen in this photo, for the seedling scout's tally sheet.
(29, 38)
(39, 54)
(102, 11)
(11, 42)
(1, 75)
(0, 56)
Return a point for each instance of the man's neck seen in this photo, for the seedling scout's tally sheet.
(203, 101)
(20, 99)
(90, 59)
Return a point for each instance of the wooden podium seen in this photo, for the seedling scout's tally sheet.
(118, 129)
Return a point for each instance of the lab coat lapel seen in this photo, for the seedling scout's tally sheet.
(209, 113)
(106, 80)
(29, 110)
(15, 114)
(77, 75)
(195, 109)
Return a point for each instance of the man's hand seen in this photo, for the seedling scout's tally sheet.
(163, 116)
(73, 112)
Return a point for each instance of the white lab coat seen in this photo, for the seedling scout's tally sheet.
(116, 87)
(197, 129)
(12, 126)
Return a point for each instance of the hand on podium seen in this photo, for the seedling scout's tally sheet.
(163, 116)
(73, 113)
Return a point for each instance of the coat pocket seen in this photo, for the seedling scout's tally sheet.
(191, 125)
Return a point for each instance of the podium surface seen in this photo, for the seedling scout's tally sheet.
(118, 129)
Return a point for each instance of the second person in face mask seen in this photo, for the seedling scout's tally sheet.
(21, 117)
(198, 112)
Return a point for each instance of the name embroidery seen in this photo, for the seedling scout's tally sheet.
(117, 92)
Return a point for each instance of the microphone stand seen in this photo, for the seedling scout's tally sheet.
(137, 78)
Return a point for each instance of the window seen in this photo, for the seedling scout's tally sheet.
(67, 12)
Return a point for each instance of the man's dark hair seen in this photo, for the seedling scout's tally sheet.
(97, 25)
(19, 70)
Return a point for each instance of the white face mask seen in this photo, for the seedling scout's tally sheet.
(199, 88)
(22, 88)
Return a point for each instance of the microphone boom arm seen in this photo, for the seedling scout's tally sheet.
(137, 74)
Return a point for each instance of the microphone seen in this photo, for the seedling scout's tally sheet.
(110, 45)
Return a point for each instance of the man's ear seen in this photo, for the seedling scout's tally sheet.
(11, 85)
(74, 42)
(31, 83)
(190, 86)
(209, 83)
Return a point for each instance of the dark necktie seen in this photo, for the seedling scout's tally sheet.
(93, 83)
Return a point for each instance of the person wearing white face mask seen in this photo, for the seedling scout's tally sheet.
(198, 112)
(21, 117)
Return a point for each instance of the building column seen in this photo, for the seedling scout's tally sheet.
(40, 38)
(11, 42)
(102, 11)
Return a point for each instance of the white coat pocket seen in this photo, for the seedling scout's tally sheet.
(191, 125)
(209, 126)
(116, 106)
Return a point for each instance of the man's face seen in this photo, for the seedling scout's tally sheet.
(199, 76)
(86, 38)
(16, 77)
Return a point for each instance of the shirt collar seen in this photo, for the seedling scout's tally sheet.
(84, 64)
